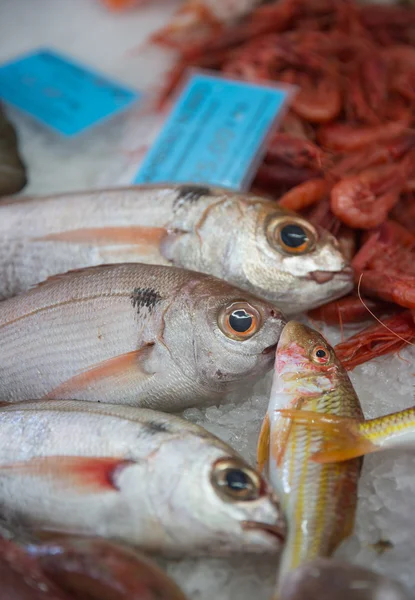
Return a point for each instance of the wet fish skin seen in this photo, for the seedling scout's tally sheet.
(319, 500)
(136, 476)
(95, 569)
(21, 578)
(326, 579)
(136, 334)
(211, 230)
(85, 569)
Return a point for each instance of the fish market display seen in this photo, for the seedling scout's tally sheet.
(12, 169)
(82, 569)
(318, 500)
(241, 238)
(144, 478)
(324, 579)
(152, 336)
(348, 438)
(344, 154)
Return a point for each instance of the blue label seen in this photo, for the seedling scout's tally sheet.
(213, 133)
(61, 94)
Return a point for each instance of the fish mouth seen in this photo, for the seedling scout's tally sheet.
(321, 277)
(270, 349)
(277, 531)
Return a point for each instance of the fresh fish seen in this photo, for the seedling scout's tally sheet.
(95, 569)
(81, 569)
(319, 501)
(326, 579)
(348, 438)
(147, 335)
(243, 239)
(12, 169)
(21, 577)
(136, 476)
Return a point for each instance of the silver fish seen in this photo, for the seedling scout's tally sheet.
(241, 238)
(147, 479)
(152, 336)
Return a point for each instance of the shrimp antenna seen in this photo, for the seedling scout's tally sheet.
(375, 317)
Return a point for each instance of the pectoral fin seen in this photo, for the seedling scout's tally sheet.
(263, 444)
(84, 474)
(121, 372)
(342, 438)
(143, 237)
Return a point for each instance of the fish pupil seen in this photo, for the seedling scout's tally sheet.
(240, 320)
(237, 480)
(320, 353)
(293, 236)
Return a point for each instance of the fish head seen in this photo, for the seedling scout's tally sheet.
(218, 504)
(293, 264)
(221, 334)
(305, 365)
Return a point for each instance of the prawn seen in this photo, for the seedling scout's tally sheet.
(305, 194)
(383, 338)
(294, 151)
(349, 309)
(343, 137)
(363, 201)
(386, 266)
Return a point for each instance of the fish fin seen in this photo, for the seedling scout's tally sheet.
(343, 440)
(108, 236)
(87, 474)
(262, 452)
(122, 367)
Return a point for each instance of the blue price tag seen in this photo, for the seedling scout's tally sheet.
(60, 93)
(214, 132)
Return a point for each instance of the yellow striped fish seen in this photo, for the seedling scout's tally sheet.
(319, 500)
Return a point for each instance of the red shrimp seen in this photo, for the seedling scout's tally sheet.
(278, 174)
(363, 201)
(319, 98)
(348, 138)
(305, 194)
(372, 156)
(349, 309)
(393, 334)
(385, 266)
(404, 211)
(294, 151)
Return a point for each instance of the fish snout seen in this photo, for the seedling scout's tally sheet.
(321, 277)
(275, 532)
(293, 332)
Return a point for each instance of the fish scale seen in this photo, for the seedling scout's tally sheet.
(132, 333)
(124, 473)
(319, 500)
(209, 230)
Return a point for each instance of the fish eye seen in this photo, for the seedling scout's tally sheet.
(292, 235)
(239, 320)
(320, 355)
(233, 480)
